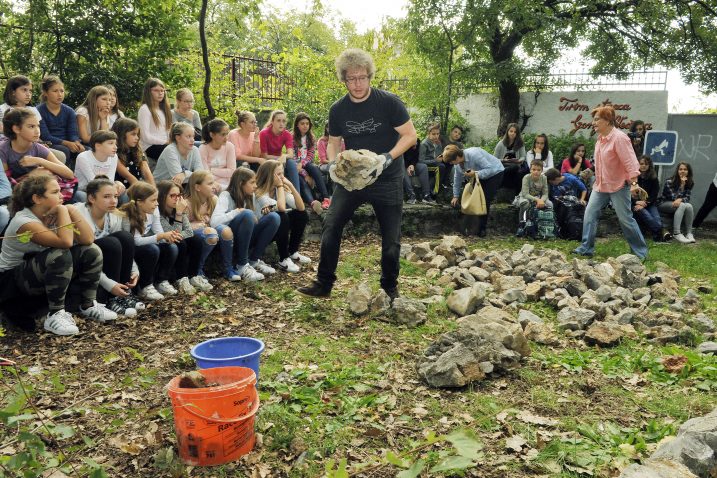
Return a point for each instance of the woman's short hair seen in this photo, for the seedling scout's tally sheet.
(354, 58)
(606, 113)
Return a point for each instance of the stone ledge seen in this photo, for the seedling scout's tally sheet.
(436, 220)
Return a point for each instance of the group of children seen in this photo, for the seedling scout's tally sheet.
(115, 232)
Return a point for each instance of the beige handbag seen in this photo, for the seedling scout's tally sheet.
(473, 199)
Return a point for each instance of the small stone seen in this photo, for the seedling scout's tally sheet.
(504, 283)
(421, 249)
(534, 290)
(405, 249)
(380, 302)
(486, 367)
(432, 273)
(540, 334)
(641, 292)
(593, 281)
(625, 316)
(479, 273)
(677, 306)
(703, 323)
(444, 280)
(439, 262)
(527, 249)
(412, 257)
(604, 293)
(603, 335)
(525, 316)
(707, 348)
(575, 318)
(410, 312)
(657, 469)
(463, 278)
(359, 298)
(453, 242)
(575, 287)
(514, 295)
(466, 300)
(692, 294)
(466, 263)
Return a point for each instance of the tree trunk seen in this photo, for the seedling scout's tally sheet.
(508, 104)
(205, 58)
(449, 99)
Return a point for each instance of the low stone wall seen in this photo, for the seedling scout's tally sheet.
(424, 220)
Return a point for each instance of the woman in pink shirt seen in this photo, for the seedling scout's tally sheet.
(273, 139)
(217, 154)
(616, 172)
(245, 139)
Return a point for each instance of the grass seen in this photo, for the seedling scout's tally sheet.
(337, 387)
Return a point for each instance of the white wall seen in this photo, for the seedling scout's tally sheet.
(565, 111)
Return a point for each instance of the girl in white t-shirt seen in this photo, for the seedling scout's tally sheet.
(217, 154)
(100, 160)
(94, 114)
(155, 250)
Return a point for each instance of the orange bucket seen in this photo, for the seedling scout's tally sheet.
(215, 425)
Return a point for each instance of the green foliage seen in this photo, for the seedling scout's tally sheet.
(90, 42)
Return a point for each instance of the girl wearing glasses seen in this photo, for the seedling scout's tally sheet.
(154, 118)
(541, 151)
(183, 112)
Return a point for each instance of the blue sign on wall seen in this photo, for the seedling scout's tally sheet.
(661, 146)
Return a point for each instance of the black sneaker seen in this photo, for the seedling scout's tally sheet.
(316, 289)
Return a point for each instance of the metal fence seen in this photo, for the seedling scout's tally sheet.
(583, 80)
(258, 78)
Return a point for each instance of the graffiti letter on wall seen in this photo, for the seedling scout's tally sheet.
(694, 147)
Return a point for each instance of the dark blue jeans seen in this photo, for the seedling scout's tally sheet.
(420, 171)
(386, 198)
(649, 217)
(318, 178)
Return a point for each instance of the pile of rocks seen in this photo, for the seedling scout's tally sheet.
(598, 302)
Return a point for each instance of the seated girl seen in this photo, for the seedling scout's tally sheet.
(154, 118)
(309, 173)
(183, 111)
(510, 150)
(645, 210)
(535, 192)
(119, 272)
(321, 149)
(22, 156)
(155, 251)
(174, 216)
(100, 160)
(180, 158)
(273, 139)
(234, 209)
(218, 155)
(275, 192)
(202, 203)
(579, 165)
(429, 154)
(132, 165)
(5, 194)
(675, 201)
(541, 151)
(59, 122)
(59, 254)
(94, 114)
(115, 112)
(245, 139)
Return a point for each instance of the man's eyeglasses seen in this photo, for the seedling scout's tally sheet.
(356, 79)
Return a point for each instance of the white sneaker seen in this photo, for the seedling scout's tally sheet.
(134, 303)
(690, 238)
(201, 283)
(166, 288)
(61, 323)
(98, 312)
(249, 274)
(302, 259)
(287, 265)
(263, 267)
(680, 238)
(233, 275)
(150, 293)
(185, 287)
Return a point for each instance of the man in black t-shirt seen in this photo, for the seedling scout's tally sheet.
(373, 119)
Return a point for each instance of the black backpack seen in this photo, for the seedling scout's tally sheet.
(569, 215)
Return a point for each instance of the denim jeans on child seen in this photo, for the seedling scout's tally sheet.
(650, 218)
(225, 248)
